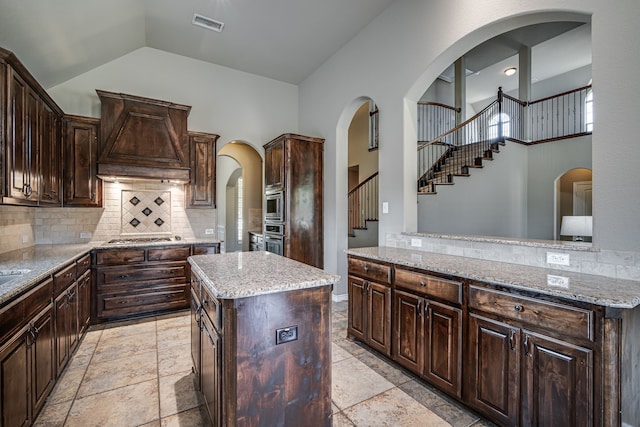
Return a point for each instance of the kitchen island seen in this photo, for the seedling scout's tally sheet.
(261, 339)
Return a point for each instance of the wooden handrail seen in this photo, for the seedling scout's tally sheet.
(516, 100)
(460, 126)
(362, 183)
(560, 94)
(438, 104)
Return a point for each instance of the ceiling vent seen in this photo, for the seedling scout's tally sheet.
(208, 23)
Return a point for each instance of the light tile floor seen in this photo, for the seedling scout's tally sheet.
(138, 373)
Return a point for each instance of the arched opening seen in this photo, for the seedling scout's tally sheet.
(362, 177)
(573, 191)
(239, 170)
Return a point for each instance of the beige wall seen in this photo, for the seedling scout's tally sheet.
(359, 153)
(17, 227)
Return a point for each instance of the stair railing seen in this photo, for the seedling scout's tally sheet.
(470, 141)
(363, 203)
(435, 119)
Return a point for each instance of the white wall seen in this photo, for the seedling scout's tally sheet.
(416, 40)
(491, 202)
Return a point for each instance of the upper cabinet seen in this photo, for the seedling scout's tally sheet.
(31, 135)
(201, 191)
(274, 159)
(81, 184)
(143, 138)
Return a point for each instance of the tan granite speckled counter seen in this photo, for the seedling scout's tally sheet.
(244, 274)
(604, 291)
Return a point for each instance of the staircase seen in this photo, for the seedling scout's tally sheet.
(457, 161)
(363, 204)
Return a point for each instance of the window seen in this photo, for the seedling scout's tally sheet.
(239, 207)
(373, 126)
(588, 112)
(492, 131)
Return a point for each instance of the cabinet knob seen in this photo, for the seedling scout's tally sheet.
(518, 308)
(366, 268)
(422, 284)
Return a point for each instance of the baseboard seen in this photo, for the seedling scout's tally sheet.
(339, 298)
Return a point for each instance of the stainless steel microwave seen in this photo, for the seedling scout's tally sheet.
(275, 206)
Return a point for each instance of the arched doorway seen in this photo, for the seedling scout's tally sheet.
(239, 171)
(362, 198)
(573, 198)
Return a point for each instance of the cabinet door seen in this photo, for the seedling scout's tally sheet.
(408, 330)
(443, 347)
(379, 317)
(22, 137)
(201, 190)
(274, 166)
(42, 358)
(211, 370)
(14, 381)
(50, 156)
(81, 184)
(357, 308)
(558, 383)
(63, 321)
(84, 302)
(494, 369)
(195, 333)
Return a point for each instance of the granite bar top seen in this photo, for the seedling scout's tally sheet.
(245, 274)
(38, 262)
(604, 291)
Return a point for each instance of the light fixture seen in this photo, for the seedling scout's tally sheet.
(510, 71)
(577, 226)
(208, 23)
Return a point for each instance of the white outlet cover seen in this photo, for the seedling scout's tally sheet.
(208, 231)
(558, 281)
(385, 207)
(557, 258)
(416, 243)
(85, 235)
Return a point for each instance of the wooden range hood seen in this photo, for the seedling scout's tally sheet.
(143, 138)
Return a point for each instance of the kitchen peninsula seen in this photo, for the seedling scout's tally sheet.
(261, 339)
(521, 345)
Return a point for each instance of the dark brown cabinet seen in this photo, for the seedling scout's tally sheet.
(27, 372)
(293, 174)
(211, 357)
(66, 306)
(82, 187)
(31, 137)
(138, 281)
(370, 304)
(201, 191)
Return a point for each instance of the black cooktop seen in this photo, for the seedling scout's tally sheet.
(139, 240)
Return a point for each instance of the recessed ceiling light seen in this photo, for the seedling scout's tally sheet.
(510, 71)
(208, 23)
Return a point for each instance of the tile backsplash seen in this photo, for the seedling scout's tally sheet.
(145, 212)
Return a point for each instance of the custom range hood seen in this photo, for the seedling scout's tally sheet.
(142, 139)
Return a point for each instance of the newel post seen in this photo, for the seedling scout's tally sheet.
(500, 114)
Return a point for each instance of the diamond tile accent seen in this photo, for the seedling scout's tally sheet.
(146, 211)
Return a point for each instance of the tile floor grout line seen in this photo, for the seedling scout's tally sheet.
(158, 372)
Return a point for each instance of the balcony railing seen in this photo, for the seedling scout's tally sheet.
(363, 203)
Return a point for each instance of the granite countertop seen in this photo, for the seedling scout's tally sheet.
(37, 262)
(604, 291)
(245, 274)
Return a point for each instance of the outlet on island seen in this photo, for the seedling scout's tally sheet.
(287, 334)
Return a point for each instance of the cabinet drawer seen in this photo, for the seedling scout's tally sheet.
(63, 278)
(83, 264)
(169, 254)
(435, 287)
(371, 270)
(206, 249)
(144, 301)
(568, 320)
(211, 306)
(19, 312)
(112, 275)
(119, 256)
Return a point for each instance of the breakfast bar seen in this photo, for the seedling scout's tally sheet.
(261, 338)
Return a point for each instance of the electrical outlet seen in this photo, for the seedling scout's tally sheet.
(25, 238)
(85, 235)
(385, 207)
(557, 258)
(558, 281)
(416, 243)
(208, 231)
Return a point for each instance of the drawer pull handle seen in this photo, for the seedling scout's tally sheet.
(518, 308)
(419, 310)
(423, 284)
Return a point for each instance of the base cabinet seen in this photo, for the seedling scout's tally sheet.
(211, 368)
